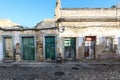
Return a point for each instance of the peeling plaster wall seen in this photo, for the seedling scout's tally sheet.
(16, 39)
(99, 32)
(87, 12)
(17, 35)
(95, 28)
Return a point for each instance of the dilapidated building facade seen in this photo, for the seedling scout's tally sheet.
(75, 33)
(90, 33)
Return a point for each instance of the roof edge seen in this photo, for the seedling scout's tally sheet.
(89, 8)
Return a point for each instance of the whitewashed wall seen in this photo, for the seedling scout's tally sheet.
(17, 37)
(87, 12)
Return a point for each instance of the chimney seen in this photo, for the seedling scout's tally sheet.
(57, 9)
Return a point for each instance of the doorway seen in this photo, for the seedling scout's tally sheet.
(89, 52)
(8, 48)
(70, 48)
(28, 48)
(50, 47)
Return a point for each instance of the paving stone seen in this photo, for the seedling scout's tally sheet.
(68, 72)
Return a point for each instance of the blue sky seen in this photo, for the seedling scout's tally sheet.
(30, 12)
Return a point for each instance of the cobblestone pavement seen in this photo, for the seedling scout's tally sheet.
(60, 72)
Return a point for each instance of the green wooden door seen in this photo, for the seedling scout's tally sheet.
(50, 47)
(28, 48)
(70, 48)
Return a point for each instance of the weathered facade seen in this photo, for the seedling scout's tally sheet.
(26, 44)
(75, 33)
(96, 31)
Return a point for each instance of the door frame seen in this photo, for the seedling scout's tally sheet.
(75, 48)
(3, 42)
(21, 45)
(94, 47)
(44, 45)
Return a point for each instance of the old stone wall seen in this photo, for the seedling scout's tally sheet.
(39, 46)
(40, 42)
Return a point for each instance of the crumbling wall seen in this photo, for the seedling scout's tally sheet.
(39, 46)
(100, 33)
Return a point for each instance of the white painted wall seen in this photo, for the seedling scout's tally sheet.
(80, 41)
(87, 12)
(17, 38)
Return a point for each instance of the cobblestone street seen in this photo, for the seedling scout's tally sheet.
(60, 72)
